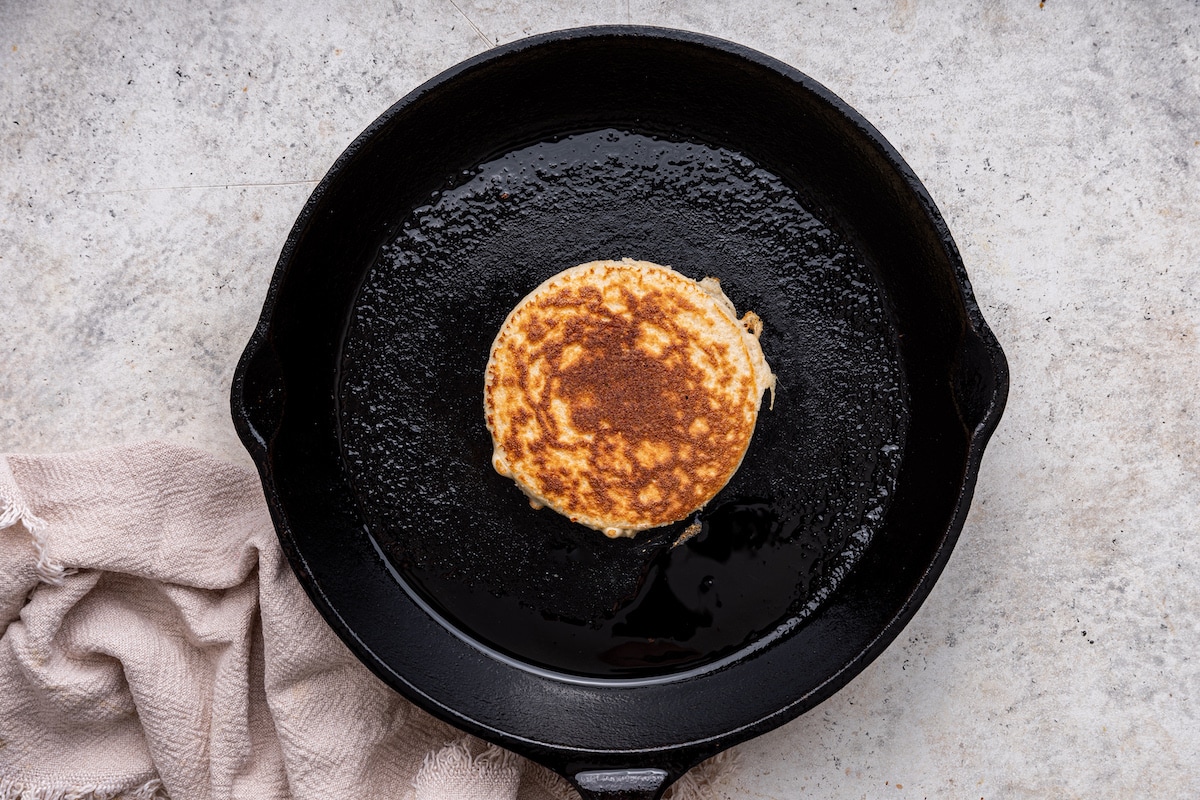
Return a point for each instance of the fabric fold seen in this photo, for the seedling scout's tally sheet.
(157, 644)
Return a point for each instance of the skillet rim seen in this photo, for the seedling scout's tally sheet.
(258, 444)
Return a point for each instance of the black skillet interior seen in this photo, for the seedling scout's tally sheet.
(531, 584)
(360, 397)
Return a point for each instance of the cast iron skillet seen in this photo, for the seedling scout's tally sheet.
(618, 664)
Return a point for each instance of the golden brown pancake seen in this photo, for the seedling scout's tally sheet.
(623, 394)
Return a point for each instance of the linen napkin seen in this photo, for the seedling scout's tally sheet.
(156, 644)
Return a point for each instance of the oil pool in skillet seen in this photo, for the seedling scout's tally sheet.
(771, 545)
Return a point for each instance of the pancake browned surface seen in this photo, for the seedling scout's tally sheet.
(623, 394)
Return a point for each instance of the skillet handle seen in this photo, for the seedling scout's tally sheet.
(258, 395)
(622, 784)
(979, 380)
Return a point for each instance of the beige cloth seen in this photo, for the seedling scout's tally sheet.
(156, 643)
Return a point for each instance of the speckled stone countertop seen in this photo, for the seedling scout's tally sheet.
(153, 156)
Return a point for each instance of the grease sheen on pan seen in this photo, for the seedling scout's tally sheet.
(623, 394)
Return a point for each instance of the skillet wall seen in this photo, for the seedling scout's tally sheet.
(672, 87)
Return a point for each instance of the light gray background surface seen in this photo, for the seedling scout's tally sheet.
(153, 156)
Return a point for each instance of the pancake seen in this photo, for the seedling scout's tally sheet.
(623, 394)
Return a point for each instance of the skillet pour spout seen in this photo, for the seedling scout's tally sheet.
(620, 664)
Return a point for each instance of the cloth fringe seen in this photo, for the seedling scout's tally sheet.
(48, 570)
(19, 790)
(457, 754)
(696, 784)
(699, 782)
